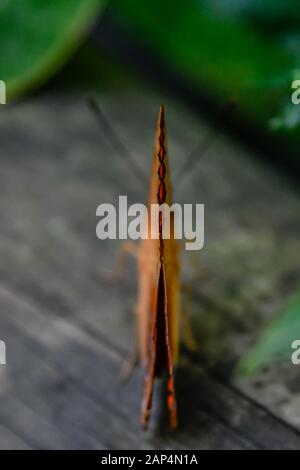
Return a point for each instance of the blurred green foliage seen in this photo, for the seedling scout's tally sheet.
(37, 37)
(275, 343)
(242, 49)
(227, 57)
(100, 73)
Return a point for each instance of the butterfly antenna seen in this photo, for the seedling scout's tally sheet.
(114, 139)
(201, 150)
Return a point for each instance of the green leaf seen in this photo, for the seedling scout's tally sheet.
(222, 57)
(37, 37)
(226, 57)
(275, 343)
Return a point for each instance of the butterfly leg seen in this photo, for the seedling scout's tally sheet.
(132, 359)
(127, 248)
(187, 331)
(130, 363)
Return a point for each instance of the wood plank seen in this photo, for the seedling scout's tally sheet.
(72, 384)
(10, 441)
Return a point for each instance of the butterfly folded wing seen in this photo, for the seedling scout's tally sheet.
(158, 301)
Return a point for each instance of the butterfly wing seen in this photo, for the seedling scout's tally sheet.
(158, 300)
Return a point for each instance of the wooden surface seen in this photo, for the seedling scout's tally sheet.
(68, 330)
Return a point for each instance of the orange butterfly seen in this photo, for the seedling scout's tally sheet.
(158, 273)
(159, 288)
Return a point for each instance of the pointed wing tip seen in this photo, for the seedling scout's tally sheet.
(161, 116)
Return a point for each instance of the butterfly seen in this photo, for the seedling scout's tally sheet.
(159, 287)
(158, 260)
